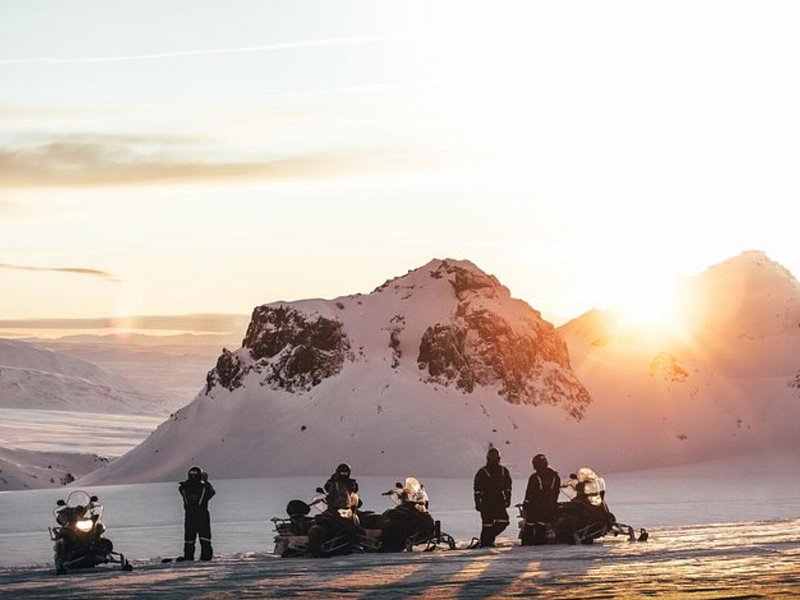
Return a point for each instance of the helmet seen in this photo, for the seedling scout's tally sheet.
(194, 473)
(493, 455)
(343, 470)
(539, 462)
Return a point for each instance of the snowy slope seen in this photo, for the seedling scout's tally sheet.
(735, 560)
(35, 378)
(724, 383)
(422, 374)
(25, 469)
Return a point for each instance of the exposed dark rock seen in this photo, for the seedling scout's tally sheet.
(228, 372)
(481, 348)
(290, 351)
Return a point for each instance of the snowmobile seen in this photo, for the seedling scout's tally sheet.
(586, 516)
(336, 530)
(409, 523)
(78, 541)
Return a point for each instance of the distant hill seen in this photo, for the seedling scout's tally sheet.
(32, 377)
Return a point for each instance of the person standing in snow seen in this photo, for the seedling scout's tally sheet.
(541, 501)
(196, 491)
(492, 488)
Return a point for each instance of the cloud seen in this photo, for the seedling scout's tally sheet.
(89, 160)
(74, 270)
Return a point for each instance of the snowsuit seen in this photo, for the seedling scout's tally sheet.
(492, 496)
(197, 521)
(540, 505)
(337, 488)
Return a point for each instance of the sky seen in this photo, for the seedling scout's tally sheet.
(173, 157)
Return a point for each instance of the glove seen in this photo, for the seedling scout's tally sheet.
(203, 476)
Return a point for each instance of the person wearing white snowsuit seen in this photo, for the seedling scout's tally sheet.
(196, 491)
(492, 487)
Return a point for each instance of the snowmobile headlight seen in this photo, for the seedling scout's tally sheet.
(345, 513)
(595, 499)
(84, 525)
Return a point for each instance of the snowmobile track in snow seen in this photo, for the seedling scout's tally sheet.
(738, 560)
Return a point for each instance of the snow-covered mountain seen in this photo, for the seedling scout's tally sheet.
(724, 382)
(35, 378)
(421, 375)
(26, 469)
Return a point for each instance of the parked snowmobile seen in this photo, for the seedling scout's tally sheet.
(338, 529)
(78, 540)
(586, 517)
(410, 524)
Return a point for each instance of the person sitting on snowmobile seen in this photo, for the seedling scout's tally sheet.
(492, 487)
(410, 519)
(338, 487)
(196, 491)
(541, 502)
(587, 510)
(337, 527)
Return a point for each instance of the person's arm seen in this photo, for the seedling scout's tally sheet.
(478, 487)
(507, 487)
(210, 491)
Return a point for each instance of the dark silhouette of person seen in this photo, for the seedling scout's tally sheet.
(492, 497)
(541, 501)
(340, 486)
(196, 491)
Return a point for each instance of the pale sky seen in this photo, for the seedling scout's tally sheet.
(162, 157)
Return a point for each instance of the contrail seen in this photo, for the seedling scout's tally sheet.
(340, 41)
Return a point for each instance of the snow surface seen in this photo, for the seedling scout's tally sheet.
(713, 535)
(35, 378)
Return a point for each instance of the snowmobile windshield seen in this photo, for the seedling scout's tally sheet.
(80, 506)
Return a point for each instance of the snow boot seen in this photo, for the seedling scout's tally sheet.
(188, 552)
(206, 552)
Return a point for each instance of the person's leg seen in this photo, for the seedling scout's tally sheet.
(189, 535)
(204, 529)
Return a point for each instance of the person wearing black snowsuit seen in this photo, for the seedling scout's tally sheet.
(492, 488)
(196, 491)
(339, 485)
(540, 506)
(329, 524)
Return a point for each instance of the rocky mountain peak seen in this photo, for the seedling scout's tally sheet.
(448, 320)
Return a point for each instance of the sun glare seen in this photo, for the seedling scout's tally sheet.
(653, 308)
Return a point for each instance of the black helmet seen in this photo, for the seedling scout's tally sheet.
(343, 470)
(195, 473)
(297, 508)
(539, 462)
(493, 455)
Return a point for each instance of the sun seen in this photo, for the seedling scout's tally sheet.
(652, 306)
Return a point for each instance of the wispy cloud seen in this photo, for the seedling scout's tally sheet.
(74, 270)
(317, 43)
(88, 160)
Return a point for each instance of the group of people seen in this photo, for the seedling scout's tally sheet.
(492, 491)
(492, 488)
